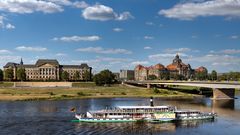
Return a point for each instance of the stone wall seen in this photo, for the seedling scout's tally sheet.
(42, 84)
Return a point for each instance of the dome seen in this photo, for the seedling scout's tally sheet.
(139, 67)
(172, 67)
(201, 69)
(159, 67)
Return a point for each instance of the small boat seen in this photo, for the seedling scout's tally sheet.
(154, 114)
(193, 115)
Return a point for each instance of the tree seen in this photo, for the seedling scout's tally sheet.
(76, 76)
(164, 75)
(105, 77)
(21, 75)
(65, 76)
(202, 75)
(177, 77)
(86, 75)
(8, 74)
(1, 75)
(214, 75)
(152, 77)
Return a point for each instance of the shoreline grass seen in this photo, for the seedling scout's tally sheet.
(85, 91)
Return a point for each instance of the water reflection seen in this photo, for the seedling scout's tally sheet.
(226, 103)
(135, 128)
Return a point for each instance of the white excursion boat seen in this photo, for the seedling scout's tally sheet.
(142, 113)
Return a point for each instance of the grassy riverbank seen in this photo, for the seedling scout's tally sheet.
(84, 90)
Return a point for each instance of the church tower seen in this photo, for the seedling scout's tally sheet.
(21, 62)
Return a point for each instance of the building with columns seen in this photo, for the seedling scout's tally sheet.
(48, 69)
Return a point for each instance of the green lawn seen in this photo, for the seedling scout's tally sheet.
(6, 84)
(88, 90)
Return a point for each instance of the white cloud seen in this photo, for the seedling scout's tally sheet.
(194, 36)
(1, 21)
(61, 54)
(31, 49)
(203, 8)
(104, 51)
(124, 16)
(77, 38)
(149, 23)
(225, 51)
(235, 37)
(216, 58)
(231, 51)
(100, 63)
(161, 25)
(5, 51)
(8, 58)
(61, 2)
(80, 4)
(164, 55)
(104, 13)
(147, 48)
(29, 6)
(177, 50)
(148, 37)
(140, 62)
(117, 29)
(10, 26)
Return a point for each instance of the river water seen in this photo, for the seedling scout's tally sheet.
(54, 117)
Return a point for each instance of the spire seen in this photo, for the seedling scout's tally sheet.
(177, 56)
(21, 63)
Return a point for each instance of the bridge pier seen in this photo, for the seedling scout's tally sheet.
(223, 93)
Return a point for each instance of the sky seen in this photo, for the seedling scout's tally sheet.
(120, 34)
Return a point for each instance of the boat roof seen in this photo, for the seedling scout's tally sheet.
(142, 107)
(187, 111)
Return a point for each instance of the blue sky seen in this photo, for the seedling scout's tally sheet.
(119, 34)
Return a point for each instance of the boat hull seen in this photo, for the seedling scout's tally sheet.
(196, 118)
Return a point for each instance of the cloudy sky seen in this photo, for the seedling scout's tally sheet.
(119, 34)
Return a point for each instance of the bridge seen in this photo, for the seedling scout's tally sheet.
(221, 90)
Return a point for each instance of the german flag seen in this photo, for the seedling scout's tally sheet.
(73, 109)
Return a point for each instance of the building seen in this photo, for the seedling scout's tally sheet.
(126, 74)
(117, 75)
(176, 68)
(48, 69)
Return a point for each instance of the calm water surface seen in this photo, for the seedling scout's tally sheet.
(53, 117)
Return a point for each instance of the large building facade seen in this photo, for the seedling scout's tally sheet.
(48, 69)
(126, 74)
(177, 67)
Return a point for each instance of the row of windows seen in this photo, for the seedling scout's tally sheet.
(41, 77)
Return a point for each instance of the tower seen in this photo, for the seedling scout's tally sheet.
(177, 60)
(21, 62)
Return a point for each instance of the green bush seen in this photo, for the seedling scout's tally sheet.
(156, 91)
(123, 93)
(80, 94)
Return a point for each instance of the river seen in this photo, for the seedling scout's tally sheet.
(54, 117)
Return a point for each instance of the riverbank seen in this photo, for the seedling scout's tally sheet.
(85, 90)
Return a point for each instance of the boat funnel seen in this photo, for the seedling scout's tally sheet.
(151, 101)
